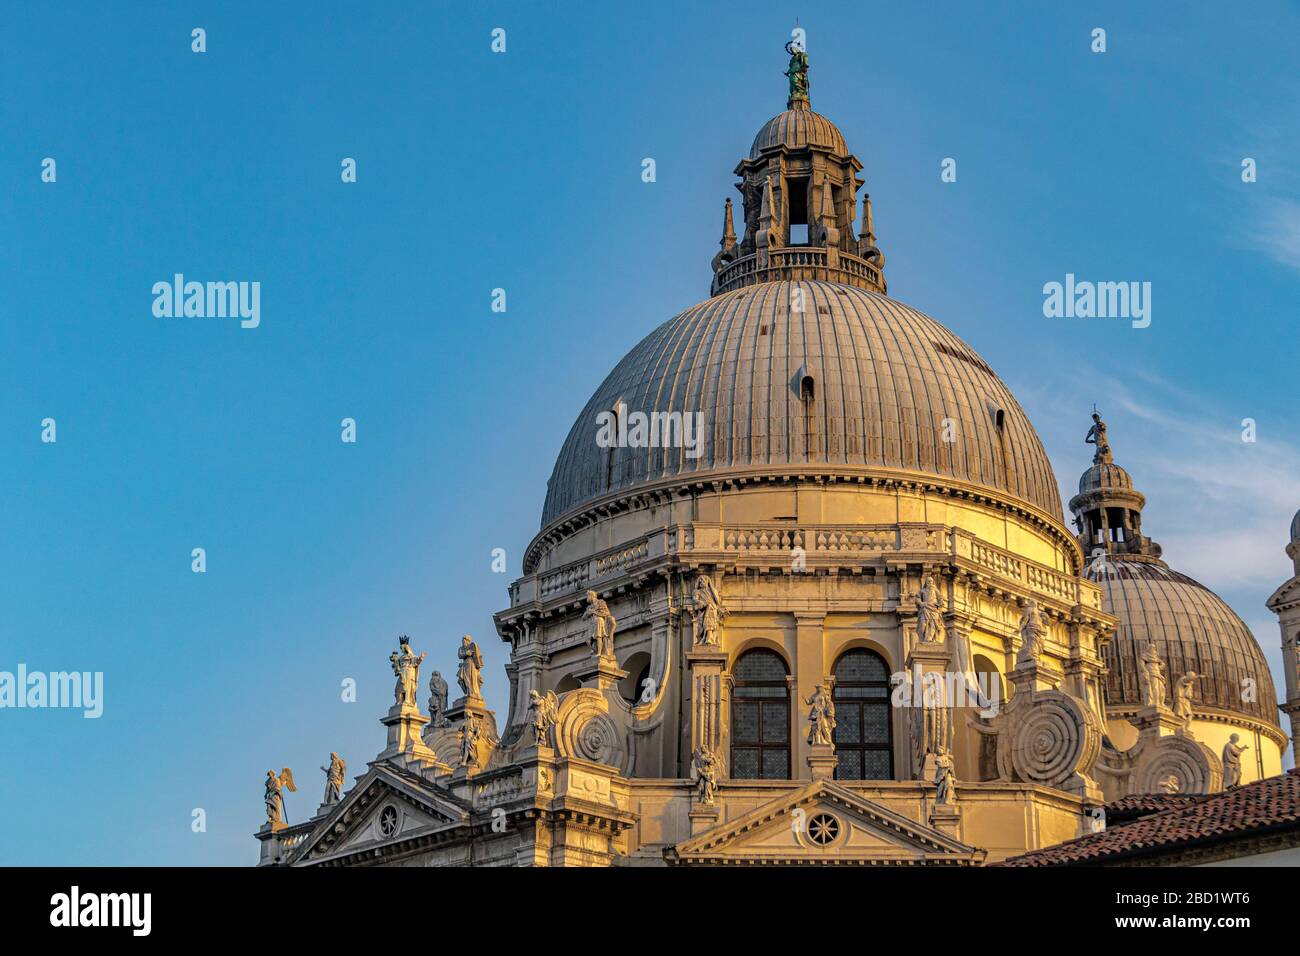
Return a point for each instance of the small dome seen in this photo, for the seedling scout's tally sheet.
(1295, 527)
(797, 128)
(1191, 628)
(1104, 475)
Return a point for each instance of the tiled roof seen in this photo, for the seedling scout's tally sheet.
(1264, 805)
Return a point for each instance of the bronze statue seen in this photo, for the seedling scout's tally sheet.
(1097, 436)
(797, 71)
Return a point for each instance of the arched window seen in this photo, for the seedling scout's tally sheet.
(863, 737)
(760, 718)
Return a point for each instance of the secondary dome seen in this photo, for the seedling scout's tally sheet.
(857, 381)
(1191, 628)
(798, 128)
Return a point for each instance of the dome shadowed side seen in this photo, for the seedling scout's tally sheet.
(1192, 629)
(885, 378)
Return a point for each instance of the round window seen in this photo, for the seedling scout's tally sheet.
(388, 821)
(823, 829)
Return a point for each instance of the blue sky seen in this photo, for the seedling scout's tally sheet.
(522, 171)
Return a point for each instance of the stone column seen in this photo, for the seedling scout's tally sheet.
(710, 688)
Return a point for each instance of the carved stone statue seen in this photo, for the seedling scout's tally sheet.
(929, 608)
(1097, 436)
(542, 711)
(704, 773)
(821, 717)
(437, 699)
(945, 777)
(469, 674)
(1232, 761)
(1184, 691)
(1031, 634)
(1151, 677)
(469, 739)
(275, 794)
(600, 632)
(406, 667)
(1170, 784)
(334, 776)
(708, 611)
(797, 71)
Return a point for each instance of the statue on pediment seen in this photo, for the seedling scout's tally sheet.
(469, 673)
(600, 630)
(438, 692)
(334, 777)
(275, 785)
(406, 668)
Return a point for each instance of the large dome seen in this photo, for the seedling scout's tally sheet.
(1191, 628)
(857, 382)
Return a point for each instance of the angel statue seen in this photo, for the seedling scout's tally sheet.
(406, 668)
(821, 717)
(470, 672)
(929, 607)
(797, 71)
(704, 773)
(542, 711)
(708, 611)
(1031, 634)
(334, 775)
(437, 700)
(275, 796)
(600, 632)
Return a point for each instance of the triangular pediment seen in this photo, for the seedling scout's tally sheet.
(1287, 594)
(824, 823)
(387, 808)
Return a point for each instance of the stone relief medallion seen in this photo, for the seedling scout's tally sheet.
(1189, 762)
(585, 729)
(1050, 740)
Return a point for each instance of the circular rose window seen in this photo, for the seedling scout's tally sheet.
(388, 821)
(823, 829)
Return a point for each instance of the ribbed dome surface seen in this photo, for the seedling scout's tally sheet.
(1295, 527)
(1104, 475)
(1191, 628)
(884, 379)
(796, 128)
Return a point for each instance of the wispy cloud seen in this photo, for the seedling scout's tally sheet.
(1276, 230)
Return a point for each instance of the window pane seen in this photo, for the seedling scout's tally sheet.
(860, 666)
(760, 665)
(744, 763)
(850, 767)
(744, 726)
(776, 719)
(876, 763)
(846, 724)
(775, 762)
(875, 722)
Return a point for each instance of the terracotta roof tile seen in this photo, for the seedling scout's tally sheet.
(1265, 804)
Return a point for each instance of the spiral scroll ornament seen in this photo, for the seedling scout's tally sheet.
(1049, 741)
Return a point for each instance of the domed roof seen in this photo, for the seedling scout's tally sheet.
(1295, 527)
(1104, 475)
(1192, 630)
(857, 381)
(797, 128)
